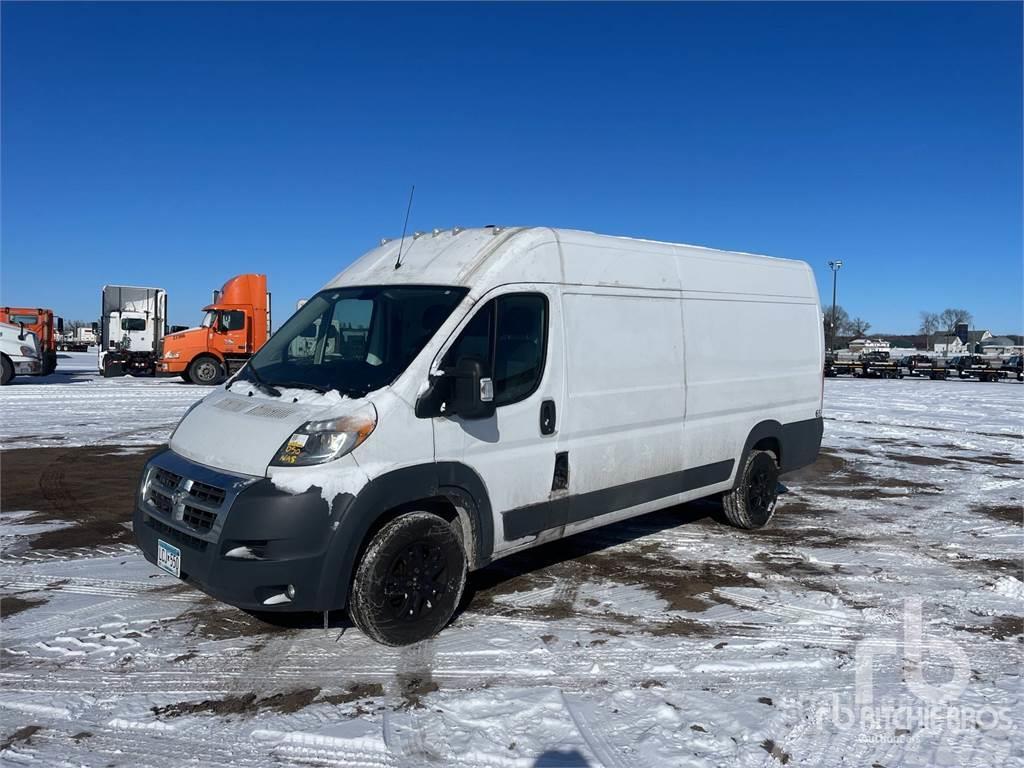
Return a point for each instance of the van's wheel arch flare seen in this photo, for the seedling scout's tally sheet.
(207, 370)
(409, 580)
(751, 502)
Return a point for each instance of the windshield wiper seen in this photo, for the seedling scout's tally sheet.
(249, 374)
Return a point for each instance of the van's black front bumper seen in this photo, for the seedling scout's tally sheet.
(276, 539)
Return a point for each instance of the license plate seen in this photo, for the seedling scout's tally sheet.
(168, 557)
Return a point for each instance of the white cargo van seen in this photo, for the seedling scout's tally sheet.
(466, 394)
(19, 352)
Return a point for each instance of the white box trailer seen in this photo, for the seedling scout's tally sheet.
(133, 322)
(455, 397)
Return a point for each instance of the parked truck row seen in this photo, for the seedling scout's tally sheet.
(132, 336)
(880, 365)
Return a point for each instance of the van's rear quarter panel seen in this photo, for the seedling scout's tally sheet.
(747, 361)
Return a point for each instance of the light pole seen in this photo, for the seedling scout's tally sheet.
(834, 266)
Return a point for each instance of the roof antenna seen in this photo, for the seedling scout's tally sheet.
(398, 261)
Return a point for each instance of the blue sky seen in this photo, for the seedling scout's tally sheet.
(177, 145)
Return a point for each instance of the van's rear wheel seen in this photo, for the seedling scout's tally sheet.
(206, 370)
(409, 581)
(751, 503)
(7, 372)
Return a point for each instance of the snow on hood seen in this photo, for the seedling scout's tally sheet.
(241, 429)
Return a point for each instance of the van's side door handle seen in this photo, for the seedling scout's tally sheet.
(547, 417)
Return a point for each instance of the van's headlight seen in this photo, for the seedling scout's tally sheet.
(316, 442)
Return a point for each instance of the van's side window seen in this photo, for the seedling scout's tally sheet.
(519, 346)
(508, 336)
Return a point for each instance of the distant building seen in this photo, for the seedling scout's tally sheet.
(1000, 345)
(962, 342)
(858, 346)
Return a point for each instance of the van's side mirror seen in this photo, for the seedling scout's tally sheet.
(473, 392)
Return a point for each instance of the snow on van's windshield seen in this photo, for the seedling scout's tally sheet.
(354, 340)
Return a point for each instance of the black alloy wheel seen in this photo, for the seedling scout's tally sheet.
(409, 580)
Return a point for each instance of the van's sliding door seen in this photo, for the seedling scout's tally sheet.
(625, 400)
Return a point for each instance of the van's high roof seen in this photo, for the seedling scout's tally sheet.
(481, 258)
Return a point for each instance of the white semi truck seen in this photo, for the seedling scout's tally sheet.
(133, 321)
(80, 339)
(19, 352)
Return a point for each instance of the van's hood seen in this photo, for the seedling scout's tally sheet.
(236, 432)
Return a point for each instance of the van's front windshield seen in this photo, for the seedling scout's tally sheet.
(354, 340)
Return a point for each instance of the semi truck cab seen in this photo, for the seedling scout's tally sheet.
(137, 331)
(132, 325)
(46, 326)
(19, 352)
(234, 327)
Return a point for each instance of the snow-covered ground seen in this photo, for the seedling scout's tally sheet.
(76, 406)
(669, 640)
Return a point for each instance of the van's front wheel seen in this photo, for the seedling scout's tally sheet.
(751, 503)
(409, 580)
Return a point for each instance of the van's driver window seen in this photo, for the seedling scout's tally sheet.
(507, 335)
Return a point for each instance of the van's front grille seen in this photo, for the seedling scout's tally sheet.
(166, 479)
(207, 494)
(178, 498)
(189, 498)
(198, 519)
(161, 502)
(179, 537)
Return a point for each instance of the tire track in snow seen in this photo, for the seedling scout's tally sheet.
(607, 754)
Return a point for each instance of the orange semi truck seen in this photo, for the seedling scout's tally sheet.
(47, 327)
(234, 327)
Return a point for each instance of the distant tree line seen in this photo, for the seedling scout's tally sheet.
(945, 322)
(845, 325)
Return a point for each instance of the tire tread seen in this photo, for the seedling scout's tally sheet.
(360, 598)
(734, 503)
